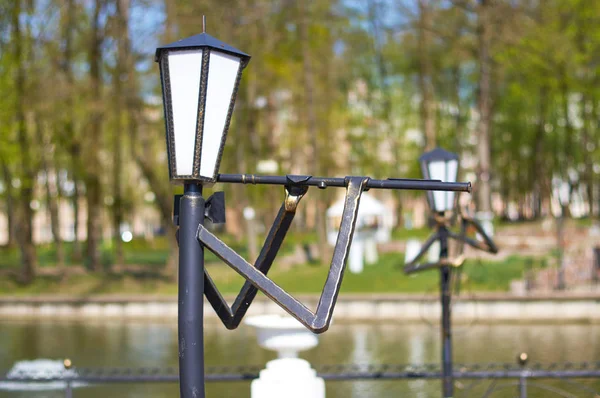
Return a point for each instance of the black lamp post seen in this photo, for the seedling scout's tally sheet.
(200, 77)
(443, 165)
(562, 192)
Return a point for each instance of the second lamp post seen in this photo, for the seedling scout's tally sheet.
(442, 165)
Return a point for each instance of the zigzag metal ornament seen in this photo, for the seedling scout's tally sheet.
(232, 316)
(256, 278)
(487, 245)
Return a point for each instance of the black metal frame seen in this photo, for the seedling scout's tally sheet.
(486, 245)
(443, 234)
(194, 280)
(255, 275)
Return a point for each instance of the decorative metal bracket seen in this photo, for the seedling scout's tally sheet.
(486, 245)
(256, 278)
(232, 316)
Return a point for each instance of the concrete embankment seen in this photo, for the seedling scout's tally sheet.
(485, 308)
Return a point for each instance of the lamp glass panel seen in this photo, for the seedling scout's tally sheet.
(222, 75)
(184, 77)
(437, 171)
(433, 255)
(564, 193)
(451, 174)
(413, 247)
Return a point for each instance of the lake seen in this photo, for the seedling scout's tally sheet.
(113, 343)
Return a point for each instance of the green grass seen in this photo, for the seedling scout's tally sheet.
(139, 251)
(152, 253)
(585, 222)
(384, 277)
(387, 277)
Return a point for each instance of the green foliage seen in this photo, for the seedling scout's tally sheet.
(365, 63)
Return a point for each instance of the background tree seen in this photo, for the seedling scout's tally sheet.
(333, 88)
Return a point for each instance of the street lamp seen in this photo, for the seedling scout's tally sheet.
(443, 165)
(200, 77)
(562, 192)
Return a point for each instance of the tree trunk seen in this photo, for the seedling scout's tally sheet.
(458, 118)
(94, 142)
(52, 196)
(391, 136)
(427, 106)
(484, 108)
(75, 167)
(595, 191)
(141, 150)
(10, 204)
(311, 120)
(374, 18)
(568, 134)
(159, 185)
(25, 213)
(537, 158)
(589, 77)
(74, 144)
(120, 75)
(586, 144)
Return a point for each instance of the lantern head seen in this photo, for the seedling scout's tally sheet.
(440, 164)
(200, 77)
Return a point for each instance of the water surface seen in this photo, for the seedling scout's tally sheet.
(111, 343)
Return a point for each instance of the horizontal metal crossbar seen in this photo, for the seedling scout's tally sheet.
(581, 370)
(325, 182)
